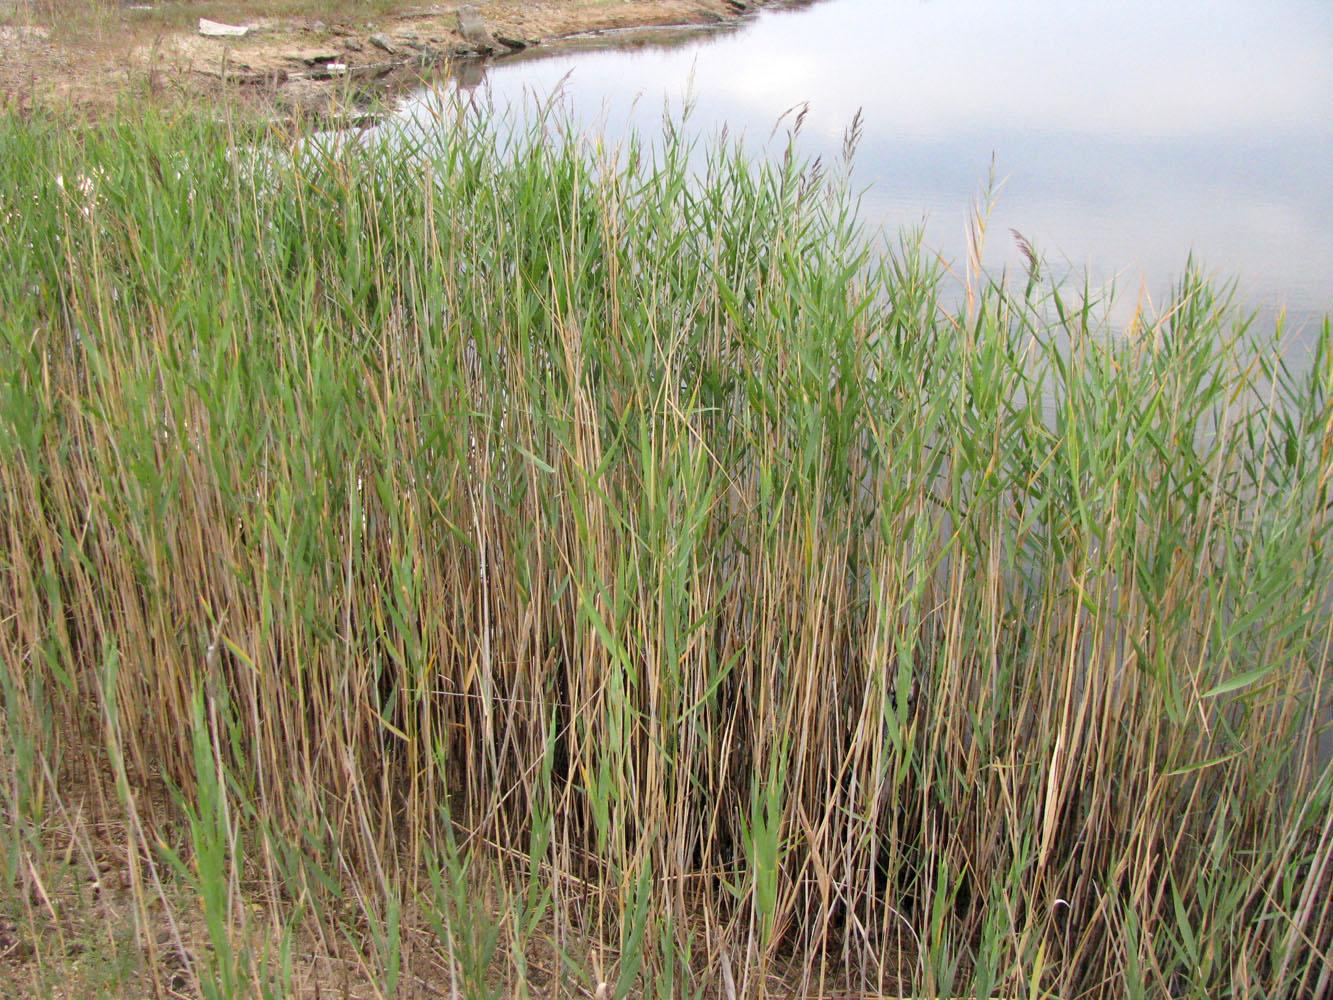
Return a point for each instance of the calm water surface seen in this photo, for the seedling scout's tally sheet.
(1127, 135)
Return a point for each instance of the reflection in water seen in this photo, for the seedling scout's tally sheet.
(1128, 136)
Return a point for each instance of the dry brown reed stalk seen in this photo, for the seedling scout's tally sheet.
(585, 573)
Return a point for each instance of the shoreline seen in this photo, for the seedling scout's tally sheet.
(299, 66)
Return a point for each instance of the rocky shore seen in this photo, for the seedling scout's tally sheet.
(295, 64)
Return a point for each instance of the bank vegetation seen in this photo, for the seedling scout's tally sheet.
(488, 564)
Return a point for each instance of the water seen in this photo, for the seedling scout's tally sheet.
(1127, 135)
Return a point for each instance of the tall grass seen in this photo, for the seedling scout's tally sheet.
(526, 569)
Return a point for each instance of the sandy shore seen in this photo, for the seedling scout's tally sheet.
(93, 59)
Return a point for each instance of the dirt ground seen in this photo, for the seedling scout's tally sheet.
(297, 56)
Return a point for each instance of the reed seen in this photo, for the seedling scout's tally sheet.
(489, 565)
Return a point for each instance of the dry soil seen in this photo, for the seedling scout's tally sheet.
(297, 56)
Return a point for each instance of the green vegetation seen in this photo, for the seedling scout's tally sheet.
(502, 568)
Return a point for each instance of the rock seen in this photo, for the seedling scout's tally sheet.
(212, 29)
(380, 42)
(474, 30)
(247, 77)
(352, 45)
(372, 71)
(512, 43)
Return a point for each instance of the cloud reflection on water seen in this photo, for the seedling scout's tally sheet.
(1129, 134)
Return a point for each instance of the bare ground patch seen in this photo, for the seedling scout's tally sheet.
(297, 56)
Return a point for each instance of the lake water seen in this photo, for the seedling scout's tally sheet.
(1127, 135)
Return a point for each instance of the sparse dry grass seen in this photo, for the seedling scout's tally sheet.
(481, 571)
